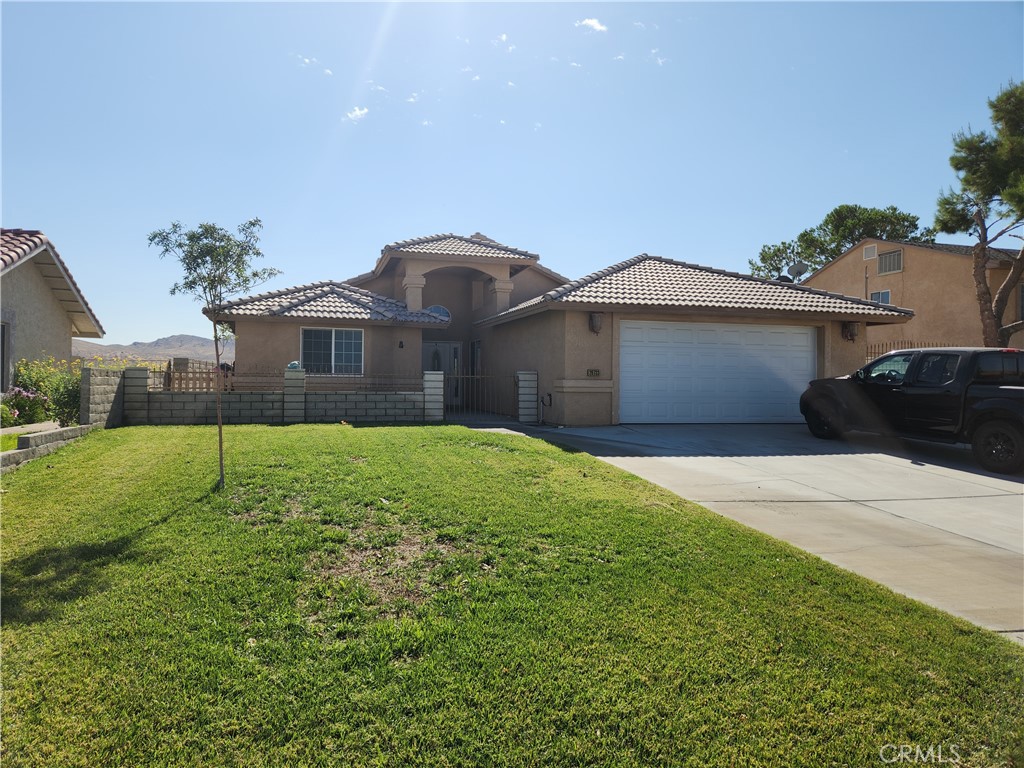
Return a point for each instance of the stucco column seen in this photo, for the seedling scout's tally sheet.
(502, 290)
(413, 285)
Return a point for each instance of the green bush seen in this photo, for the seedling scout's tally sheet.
(59, 383)
(8, 416)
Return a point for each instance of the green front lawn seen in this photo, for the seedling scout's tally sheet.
(437, 596)
(8, 442)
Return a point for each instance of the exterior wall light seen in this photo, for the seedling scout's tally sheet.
(850, 331)
(596, 321)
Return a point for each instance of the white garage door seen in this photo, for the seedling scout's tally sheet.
(713, 372)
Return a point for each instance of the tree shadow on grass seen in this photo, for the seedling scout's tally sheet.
(38, 586)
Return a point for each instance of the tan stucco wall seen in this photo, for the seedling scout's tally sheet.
(936, 285)
(272, 344)
(37, 325)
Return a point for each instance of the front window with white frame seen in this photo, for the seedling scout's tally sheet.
(332, 351)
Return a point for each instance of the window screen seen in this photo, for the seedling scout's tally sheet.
(332, 351)
(890, 261)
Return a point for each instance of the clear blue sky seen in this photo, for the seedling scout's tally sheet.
(585, 132)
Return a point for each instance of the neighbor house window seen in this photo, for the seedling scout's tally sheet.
(889, 262)
(882, 297)
(870, 252)
(333, 351)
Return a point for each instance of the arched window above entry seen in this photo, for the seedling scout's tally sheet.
(437, 309)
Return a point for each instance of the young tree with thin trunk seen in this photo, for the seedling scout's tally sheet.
(216, 265)
(990, 205)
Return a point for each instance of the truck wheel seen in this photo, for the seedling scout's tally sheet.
(822, 421)
(998, 446)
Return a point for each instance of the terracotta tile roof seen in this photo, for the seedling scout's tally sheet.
(16, 244)
(456, 245)
(653, 281)
(328, 300)
(20, 245)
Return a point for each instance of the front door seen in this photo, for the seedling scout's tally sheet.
(445, 356)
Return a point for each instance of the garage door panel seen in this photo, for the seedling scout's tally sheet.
(713, 372)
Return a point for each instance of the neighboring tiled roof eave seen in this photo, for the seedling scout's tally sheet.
(17, 246)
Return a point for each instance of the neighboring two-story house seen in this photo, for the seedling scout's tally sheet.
(932, 279)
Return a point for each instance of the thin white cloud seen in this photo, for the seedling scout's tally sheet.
(537, 126)
(639, 25)
(305, 60)
(511, 48)
(357, 114)
(413, 98)
(593, 24)
(620, 57)
(475, 78)
(328, 72)
(575, 65)
(426, 123)
(466, 69)
(511, 84)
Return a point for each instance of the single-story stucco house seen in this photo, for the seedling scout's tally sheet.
(41, 305)
(647, 340)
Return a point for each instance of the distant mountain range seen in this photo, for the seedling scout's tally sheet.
(161, 350)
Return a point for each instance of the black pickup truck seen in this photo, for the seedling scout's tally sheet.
(967, 395)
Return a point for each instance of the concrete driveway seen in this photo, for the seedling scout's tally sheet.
(920, 518)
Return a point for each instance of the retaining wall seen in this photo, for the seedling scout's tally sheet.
(115, 398)
(291, 405)
(38, 444)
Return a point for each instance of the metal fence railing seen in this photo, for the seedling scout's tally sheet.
(479, 398)
(204, 376)
(879, 348)
(466, 398)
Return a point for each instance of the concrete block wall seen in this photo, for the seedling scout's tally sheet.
(102, 401)
(373, 407)
(136, 397)
(291, 405)
(433, 396)
(201, 407)
(526, 395)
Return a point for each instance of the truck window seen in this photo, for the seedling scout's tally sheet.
(937, 369)
(1000, 368)
(891, 370)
